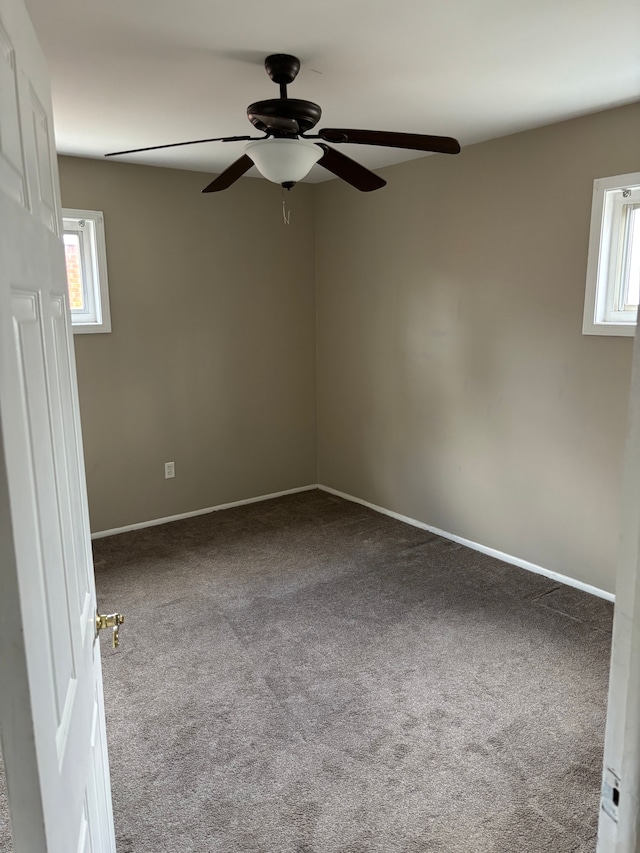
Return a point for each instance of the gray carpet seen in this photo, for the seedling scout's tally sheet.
(5, 828)
(307, 676)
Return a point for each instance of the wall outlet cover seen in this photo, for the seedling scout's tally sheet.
(610, 798)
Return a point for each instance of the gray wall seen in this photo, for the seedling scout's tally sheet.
(454, 384)
(211, 362)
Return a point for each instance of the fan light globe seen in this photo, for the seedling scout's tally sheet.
(283, 160)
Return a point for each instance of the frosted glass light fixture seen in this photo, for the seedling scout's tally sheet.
(283, 161)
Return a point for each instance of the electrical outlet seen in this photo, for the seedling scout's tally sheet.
(610, 799)
(169, 470)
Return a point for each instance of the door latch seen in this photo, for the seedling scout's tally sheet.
(110, 620)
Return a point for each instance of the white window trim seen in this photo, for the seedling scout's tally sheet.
(599, 259)
(99, 273)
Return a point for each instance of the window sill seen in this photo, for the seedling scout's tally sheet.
(621, 330)
(89, 328)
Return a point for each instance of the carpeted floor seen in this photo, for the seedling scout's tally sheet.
(307, 676)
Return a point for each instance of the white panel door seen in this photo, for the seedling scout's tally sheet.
(51, 705)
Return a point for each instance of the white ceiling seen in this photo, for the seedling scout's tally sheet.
(130, 73)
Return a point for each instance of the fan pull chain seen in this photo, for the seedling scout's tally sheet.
(286, 214)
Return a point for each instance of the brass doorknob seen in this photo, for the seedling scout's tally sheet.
(110, 620)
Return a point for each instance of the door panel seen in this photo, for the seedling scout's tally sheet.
(48, 575)
(42, 179)
(11, 161)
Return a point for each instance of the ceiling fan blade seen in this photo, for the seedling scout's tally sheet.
(191, 142)
(230, 175)
(415, 141)
(277, 123)
(350, 171)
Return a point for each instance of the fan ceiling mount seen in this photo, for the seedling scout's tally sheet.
(286, 152)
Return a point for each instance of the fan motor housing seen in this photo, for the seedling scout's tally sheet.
(306, 113)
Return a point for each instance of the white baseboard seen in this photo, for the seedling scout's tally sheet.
(155, 521)
(476, 546)
(492, 552)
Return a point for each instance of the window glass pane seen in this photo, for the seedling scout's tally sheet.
(74, 272)
(633, 281)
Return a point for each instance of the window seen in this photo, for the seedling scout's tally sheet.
(613, 267)
(85, 255)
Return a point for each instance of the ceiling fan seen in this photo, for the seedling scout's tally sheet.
(285, 153)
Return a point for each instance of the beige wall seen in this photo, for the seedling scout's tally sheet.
(211, 362)
(454, 384)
